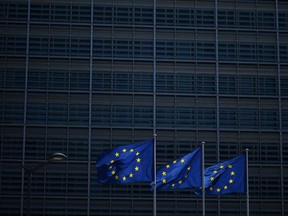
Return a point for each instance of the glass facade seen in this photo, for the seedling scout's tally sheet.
(81, 77)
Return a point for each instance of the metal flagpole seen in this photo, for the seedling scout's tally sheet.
(203, 181)
(154, 192)
(247, 184)
(154, 105)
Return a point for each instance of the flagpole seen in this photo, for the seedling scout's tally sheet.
(247, 184)
(154, 186)
(154, 105)
(203, 181)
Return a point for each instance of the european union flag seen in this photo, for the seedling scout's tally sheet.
(184, 172)
(226, 177)
(126, 164)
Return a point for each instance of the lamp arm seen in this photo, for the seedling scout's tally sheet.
(35, 168)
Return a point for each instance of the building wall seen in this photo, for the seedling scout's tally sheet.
(81, 77)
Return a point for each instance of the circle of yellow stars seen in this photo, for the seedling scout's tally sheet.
(230, 181)
(117, 155)
(168, 166)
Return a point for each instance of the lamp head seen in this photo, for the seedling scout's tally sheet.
(57, 157)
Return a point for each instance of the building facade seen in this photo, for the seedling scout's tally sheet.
(81, 77)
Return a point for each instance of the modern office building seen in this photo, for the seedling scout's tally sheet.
(81, 77)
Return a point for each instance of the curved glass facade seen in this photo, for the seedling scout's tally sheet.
(81, 77)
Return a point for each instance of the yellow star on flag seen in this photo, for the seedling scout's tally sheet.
(112, 161)
(136, 168)
(215, 171)
(188, 168)
(113, 172)
(164, 181)
(137, 153)
(225, 187)
(232, 173)
(218, 190)
(163, 173)
(131, 150)
(211, 188)
(167, 166)
(182, 161)
(116, 177)
(131, 175)
(212, 178)
(175, 161)
(138, 160)
(231, 181)
(124, 178)
(229, 166)
(221, 167)
(117, 154)
(124, 150)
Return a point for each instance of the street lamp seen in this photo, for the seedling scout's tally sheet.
(56, 157)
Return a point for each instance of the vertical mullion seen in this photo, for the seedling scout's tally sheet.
(279, 106)
(25, 104)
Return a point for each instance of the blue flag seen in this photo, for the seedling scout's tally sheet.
(226, 177)
(126, 164)
(184, 172)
